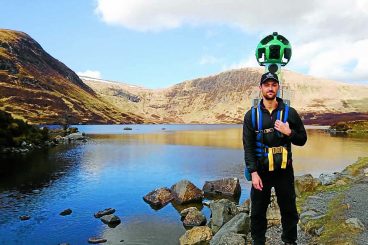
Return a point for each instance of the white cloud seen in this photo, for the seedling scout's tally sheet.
(89, 73)
(329, 37)
(209, 60)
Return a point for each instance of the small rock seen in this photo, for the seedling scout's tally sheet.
(75, 136)
(185, 191)
(365, 171)
(206, 203)
(127, 128)
(319, 231)
(106, 211)
(199, 235)
(245, 207)
(184, 212)
(328, 179)
(194, 218)
(355, 223)
(111, 219)
(24, 217)
(66, 212)
(24, 144)
(96, 240)
(159, 198)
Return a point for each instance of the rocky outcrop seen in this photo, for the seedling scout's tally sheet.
(223, 187)
(186, 192)
(200, 235)
(159, 198)
(221, 212)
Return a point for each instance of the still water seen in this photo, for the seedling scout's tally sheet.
(117, 167)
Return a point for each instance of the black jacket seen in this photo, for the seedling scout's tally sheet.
(298, 134)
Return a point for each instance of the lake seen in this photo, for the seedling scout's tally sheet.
(117, 167)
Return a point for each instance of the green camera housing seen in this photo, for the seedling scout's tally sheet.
(273, 49)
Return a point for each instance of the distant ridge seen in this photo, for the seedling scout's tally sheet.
(224, 98)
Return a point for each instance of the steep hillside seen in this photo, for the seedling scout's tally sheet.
(40, 89)
(223, 98)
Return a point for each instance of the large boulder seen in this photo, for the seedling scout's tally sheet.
(186, 192)
(200, 235)
(239, 224)
(194, 218)
(224, 187)
(306, 183)
(221, 212)
(159, 198)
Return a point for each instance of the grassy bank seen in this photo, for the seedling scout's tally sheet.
(354, 127)
(13, 132)
(335, 230)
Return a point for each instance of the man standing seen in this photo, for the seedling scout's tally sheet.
(268, 131)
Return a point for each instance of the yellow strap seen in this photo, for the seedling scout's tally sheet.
(270, 160)
(284, 158)
(281, 115)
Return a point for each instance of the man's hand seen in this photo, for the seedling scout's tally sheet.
(256, 181)
(283, 127)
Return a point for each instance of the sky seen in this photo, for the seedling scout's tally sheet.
(158, 43)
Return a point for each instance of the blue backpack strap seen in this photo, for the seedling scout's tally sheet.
(286, 113)
(260, 121)
(278, 115)
(254, 118)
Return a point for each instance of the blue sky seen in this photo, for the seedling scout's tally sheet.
(157, 43)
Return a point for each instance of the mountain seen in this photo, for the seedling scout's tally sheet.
(225, 97)
(38, 88)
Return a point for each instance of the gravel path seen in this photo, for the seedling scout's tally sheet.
(273, 237)
(357, 198)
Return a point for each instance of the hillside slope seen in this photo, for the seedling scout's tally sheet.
(40, 89)
(224, 98)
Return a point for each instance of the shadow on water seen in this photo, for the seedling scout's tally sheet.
(35, 170)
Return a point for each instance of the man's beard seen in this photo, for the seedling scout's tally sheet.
(269, 97)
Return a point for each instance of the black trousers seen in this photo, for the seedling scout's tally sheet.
(283, 182)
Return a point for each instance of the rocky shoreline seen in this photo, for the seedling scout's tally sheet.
(72, 136)
(327, 205)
